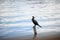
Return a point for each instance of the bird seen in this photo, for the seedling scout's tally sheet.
(35, 22)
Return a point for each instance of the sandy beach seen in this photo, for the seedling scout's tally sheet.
(39, 36)
(51, 35)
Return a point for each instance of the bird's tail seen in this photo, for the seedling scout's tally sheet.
(39, 26)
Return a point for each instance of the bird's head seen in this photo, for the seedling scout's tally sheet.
(33, 17)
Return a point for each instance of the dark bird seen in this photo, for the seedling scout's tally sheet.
(35, 22)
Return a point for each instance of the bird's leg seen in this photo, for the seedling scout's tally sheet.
(34, 27)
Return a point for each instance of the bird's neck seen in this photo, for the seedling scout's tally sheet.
(32, 18)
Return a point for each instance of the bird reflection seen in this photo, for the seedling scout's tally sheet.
(35, 33)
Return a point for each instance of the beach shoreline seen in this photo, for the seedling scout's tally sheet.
(39, 36)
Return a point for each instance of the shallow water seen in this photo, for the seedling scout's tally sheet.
(15, 17)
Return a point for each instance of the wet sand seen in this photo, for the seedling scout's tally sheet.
(53, 35)
(39, 36)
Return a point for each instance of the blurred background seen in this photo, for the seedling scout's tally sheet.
(16, 15)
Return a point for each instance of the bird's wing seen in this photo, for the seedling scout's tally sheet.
(35, 22)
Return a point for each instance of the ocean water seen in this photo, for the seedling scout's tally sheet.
(16, 15)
